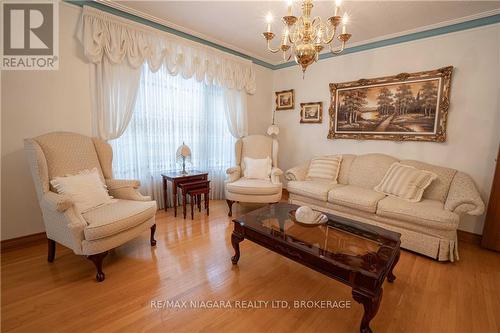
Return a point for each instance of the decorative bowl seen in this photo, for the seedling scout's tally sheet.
(320, 219)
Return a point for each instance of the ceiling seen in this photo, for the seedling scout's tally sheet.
(238, 24)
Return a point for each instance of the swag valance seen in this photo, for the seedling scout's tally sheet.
(121, 40)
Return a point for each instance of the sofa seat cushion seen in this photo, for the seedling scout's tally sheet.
(116, 217)
(253, 187)
(427, 212)
(311, 188)
(356, 197)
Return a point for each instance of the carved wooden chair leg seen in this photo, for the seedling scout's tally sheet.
(230, 205)
(152, 239)
(97, 260)
(52, 250)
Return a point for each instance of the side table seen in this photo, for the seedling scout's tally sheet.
(177, 177)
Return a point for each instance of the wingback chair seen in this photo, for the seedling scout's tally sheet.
(238, 188)
(94, 232)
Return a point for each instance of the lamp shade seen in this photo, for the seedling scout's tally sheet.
(273, 129)
(183, 153)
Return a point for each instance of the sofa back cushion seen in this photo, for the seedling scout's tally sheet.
(368, 170)
(345, 166)
(438, 189)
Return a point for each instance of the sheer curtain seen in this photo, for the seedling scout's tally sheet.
(170, 110)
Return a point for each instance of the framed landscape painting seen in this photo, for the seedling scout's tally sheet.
(403, 107)
(285, 100)
(311, 113)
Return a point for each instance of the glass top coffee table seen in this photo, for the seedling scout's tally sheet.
(356, 254)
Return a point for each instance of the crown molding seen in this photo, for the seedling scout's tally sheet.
(437, 29)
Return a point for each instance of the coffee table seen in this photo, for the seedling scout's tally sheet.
(356, 254)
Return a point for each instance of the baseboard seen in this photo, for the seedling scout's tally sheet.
(468, 237)
(22, 241)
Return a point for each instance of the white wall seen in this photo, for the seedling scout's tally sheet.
(474, 115)
(37, 102)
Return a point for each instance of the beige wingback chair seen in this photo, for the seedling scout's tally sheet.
(238, 188)
(94, 232)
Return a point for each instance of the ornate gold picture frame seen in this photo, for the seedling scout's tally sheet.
(285, 100)
(311, 113)
(403, 107)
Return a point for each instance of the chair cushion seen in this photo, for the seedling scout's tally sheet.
(253, 187)
(116, 217)
(426, 212)
(355, 197)
(311, 188)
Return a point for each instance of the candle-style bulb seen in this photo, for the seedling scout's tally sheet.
(269, 19)
(345, 19)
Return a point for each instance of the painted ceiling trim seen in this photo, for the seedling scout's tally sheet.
(475, 23)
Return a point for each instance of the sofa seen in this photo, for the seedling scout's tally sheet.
(428, 227)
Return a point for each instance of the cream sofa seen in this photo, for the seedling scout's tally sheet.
(428, 227)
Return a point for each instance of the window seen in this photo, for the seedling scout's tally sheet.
(171, 110)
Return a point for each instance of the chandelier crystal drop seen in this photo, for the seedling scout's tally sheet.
(305, 37)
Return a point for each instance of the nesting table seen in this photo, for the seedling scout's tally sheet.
(176, 178)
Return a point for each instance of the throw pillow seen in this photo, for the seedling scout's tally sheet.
(324, 168)
(257, 168)
(405, 182)
(85, 189)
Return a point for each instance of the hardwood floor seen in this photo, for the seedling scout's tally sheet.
(191, 262)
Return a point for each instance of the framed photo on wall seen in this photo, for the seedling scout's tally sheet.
(285, 100)
(311, 113)
(403, 107)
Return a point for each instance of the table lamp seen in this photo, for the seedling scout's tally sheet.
(183, 153)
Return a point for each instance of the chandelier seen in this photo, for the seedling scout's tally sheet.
(305, 37)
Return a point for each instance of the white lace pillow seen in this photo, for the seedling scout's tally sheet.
(257, 168)
(85, 189)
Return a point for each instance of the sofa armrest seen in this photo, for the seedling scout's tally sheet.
(463, 197)
(56, 202)
(276, 173)
(114, 184)
(297, 173)
(234, 174)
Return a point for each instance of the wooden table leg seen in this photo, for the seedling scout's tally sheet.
(207, 203)
(183, 194)
(174, 196)
(192, 206)
(236, 239)
(165, 193)
(370, 305)
(391, 277)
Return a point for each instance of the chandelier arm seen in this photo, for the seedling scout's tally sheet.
(270, 49)
(337, 51)
(330, 38)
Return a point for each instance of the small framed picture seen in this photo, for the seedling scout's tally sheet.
(311, 112)
(285, 100)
